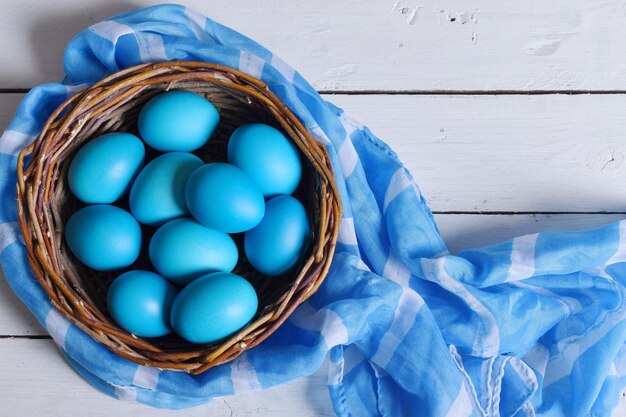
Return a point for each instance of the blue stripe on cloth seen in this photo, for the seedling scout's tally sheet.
(530, 326)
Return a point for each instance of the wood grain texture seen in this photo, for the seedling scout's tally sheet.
(370, 44)
(36, 381)
(477, 153)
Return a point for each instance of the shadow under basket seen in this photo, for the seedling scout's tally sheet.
(45, 203)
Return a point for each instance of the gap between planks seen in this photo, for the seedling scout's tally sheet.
(24, 90)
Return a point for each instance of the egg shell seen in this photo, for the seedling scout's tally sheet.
(103, 237)
(102, 170)
(141, 303)
(183, 250)
(278, 242)
(267, 156)
(177, 121)
(213, 307)
(223, 197)
(158, 193)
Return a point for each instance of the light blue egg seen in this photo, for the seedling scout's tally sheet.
(177, 121)
(213, 307)
(158, 194)
(102, 170)
(278, 242)
(141, 303)
(103, 237)
(223, 197)
(183, 249)
(267, 156)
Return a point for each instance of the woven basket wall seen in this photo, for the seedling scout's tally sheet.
(45, 203)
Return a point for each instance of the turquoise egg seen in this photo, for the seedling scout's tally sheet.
(177, 121)
(213, 307)
(102, 170)
(141, 303)
(158, 194)
(223, 197)
(267, 156)
(103, 237)
(279, 241)
(183, 249)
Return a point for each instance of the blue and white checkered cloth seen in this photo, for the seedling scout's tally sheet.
(531, 326)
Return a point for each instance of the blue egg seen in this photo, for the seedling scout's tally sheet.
(213, 307)
(267, 156)
(103, 237)
(177, 121)
(223, 197)
(183, 249)
(278, 242)
(141, 303)
(158, 194)
(102, 170)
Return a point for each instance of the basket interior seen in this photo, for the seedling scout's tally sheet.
(234, 110)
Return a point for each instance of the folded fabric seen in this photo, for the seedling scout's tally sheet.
(530, 326)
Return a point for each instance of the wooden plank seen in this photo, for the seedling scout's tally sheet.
(530, 153)
(460, 231)
(37, 381)
(506, 153)
(370, 45)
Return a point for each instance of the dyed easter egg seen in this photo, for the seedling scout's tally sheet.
(158, 194)
(267, 156)
(183, 249)
(279, 241)
(177, 121)
(141, 302)
(213, 307)
(223, 197)
(102, 170)
(103, 237)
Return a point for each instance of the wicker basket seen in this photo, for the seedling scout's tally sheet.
(45, 203)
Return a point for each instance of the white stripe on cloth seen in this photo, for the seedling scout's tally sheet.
(348, 158)
(324, 321)
(620, 253)
(251, 64)
(522, 258)
(347, 234)
(197, 24)
(284, 68)
(12, 142)
(151, 48)
(57, 326)
(363, 266)
(9, 233)
(537, 358)
(404, 318)
(462, 405)
(352, 357)
(399, 182)
(318, 134)
(487, 339)
(126, 393)
(111, 30)
(243, 375)
(396, 271)
(146, 377)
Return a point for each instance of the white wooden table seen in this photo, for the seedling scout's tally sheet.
(511, 116)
